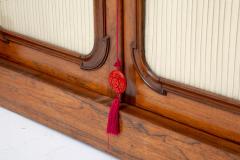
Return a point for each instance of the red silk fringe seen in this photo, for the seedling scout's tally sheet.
(113, 117)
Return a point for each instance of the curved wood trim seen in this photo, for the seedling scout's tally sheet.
(95, 59)
(163, 85)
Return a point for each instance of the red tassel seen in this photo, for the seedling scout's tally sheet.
(118, 83)
(113, 117)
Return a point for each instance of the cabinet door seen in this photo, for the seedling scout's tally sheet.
(69, 40)
(182, 61)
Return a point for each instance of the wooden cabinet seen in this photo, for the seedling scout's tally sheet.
(160, 118)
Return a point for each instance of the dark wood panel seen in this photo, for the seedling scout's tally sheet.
(219, 119)
(82, 114)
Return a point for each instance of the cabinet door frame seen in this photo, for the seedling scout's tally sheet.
(162, 85)
(182, 103)
(95, 59)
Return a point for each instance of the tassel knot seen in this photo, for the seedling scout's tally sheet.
(118, 64)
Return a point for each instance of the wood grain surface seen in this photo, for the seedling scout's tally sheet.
(82, 114)
(220, 120)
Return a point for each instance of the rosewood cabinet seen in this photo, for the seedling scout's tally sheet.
(171, 51)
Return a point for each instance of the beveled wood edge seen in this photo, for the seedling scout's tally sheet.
(128, 113)
(100, 50)
(95, 59)
(163, 85)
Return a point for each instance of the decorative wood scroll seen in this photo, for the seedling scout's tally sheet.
(94, 60)
(163, 85)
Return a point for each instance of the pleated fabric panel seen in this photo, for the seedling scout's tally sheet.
(69, 24)
(195, 42)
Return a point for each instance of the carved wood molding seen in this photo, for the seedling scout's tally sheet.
(95, 59)
(60, 107)
(163, 85)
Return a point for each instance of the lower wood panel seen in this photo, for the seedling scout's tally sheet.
(56, 67)
(82, 114)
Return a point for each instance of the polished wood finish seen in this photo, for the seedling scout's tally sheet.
(39, 56)
(54, 91)
(93, 60)
(82, 114)
(220, 119)
(163, 85)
